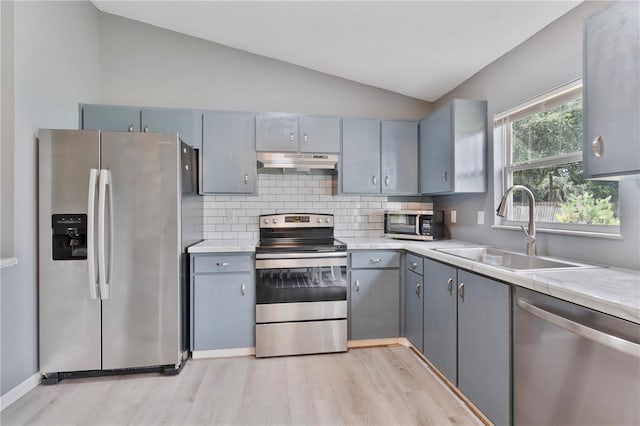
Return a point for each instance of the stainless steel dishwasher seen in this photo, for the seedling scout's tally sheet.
(573, 365)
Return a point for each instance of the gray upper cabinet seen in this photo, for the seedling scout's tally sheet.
(453, 146)
(277, 132)
(441, 317)
(110, 117)
(319, 134)
(413, 301)
(360, 163)
(188, 124)
(228, 156)
(611, 146)
(399, 145)
(484, 345)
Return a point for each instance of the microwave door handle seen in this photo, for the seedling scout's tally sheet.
(418, 224)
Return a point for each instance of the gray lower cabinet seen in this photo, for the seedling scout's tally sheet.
(484, 345)
(277, 132)
(441, 317)
(611, 87)
(110, 117)
(374, 297)
(414, 301)
(228, 156)
(188, 123)
(399, 157)
(360, 162)
(222, 303)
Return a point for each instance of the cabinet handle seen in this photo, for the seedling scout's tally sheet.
(450, 285)
(306, 139)
(146, 129)
(414, 265)
(222, 264)
(444, 176)
(243, 289)
(461, 290)
(186, 167)
(378, 260)
(387, 181)
(418, 289)
(357, 286)
(597, 146)
(130, 129)
(374, 179)
(291, 137)
(246, 179)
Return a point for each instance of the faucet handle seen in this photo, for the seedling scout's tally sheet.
(529, 238)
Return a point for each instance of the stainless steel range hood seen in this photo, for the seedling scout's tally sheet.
(301, 162)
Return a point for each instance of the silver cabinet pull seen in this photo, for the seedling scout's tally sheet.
(461, 290)
(130, 129)
(444, 176)
(291, 137)
(184, 150)
(374, 179)
(186, 167)
(597, 146)
(414, 265)
(357, 286)
(387, 181)
(222, 264)
(146, 129)
(246, 179)
(418, 289)
(378, 260)
(613, 342)
(243, 289)
(450, 285)
(306, 138)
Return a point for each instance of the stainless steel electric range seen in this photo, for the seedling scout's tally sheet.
(301, 286)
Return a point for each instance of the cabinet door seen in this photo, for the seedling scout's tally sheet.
(187, 123)
(228, 153)
(414, 307)
(320, 134)
(441, 318)
(399, 157)
(611, 88)
(436, 138)
(360, 156)
(375, 303)
(484, 345)
(110, 117)
(277, 132)
(223, 311)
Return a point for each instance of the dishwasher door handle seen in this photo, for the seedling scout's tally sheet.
(613, 342)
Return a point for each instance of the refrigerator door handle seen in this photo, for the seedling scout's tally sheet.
(105, 184)
(91, 255)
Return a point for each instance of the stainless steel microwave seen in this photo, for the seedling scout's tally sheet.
(426, 225)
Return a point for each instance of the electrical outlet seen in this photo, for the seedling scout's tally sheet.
(230, 215)
(480, 218)
(453, 216)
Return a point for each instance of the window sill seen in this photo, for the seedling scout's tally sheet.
(588, 234)
(7, 262)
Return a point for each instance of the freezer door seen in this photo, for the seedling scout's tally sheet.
(69, 319)
(141, 316)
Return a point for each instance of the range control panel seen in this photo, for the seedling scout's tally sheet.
(296, 221)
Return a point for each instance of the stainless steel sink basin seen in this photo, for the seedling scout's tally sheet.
(510, 260)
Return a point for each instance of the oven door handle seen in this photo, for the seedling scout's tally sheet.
(318, 255)
(300, 262)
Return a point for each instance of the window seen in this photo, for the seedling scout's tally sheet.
(542, 147)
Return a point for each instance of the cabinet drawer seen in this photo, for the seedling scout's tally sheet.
(223, 263)
(375, 259)
(414, 263)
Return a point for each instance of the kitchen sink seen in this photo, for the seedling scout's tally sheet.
(510, 260)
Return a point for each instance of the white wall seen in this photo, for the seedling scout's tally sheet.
(146, 65)
(56, 66)
(547, 60)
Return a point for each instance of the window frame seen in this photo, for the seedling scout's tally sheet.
(502, 129)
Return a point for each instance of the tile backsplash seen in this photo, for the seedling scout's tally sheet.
(234, 216)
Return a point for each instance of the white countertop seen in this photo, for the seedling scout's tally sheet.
(610, 290)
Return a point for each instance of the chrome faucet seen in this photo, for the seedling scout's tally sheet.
(531, 231)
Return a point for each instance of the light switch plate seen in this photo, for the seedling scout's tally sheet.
(480, 218)
(453, 216)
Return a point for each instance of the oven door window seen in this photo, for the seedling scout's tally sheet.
(306, 284)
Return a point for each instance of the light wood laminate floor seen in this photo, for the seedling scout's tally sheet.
(381, 386)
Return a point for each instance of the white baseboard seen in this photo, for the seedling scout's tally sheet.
(19, 391)
(223, 353)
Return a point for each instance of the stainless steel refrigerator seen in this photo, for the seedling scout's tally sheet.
(116, 213)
